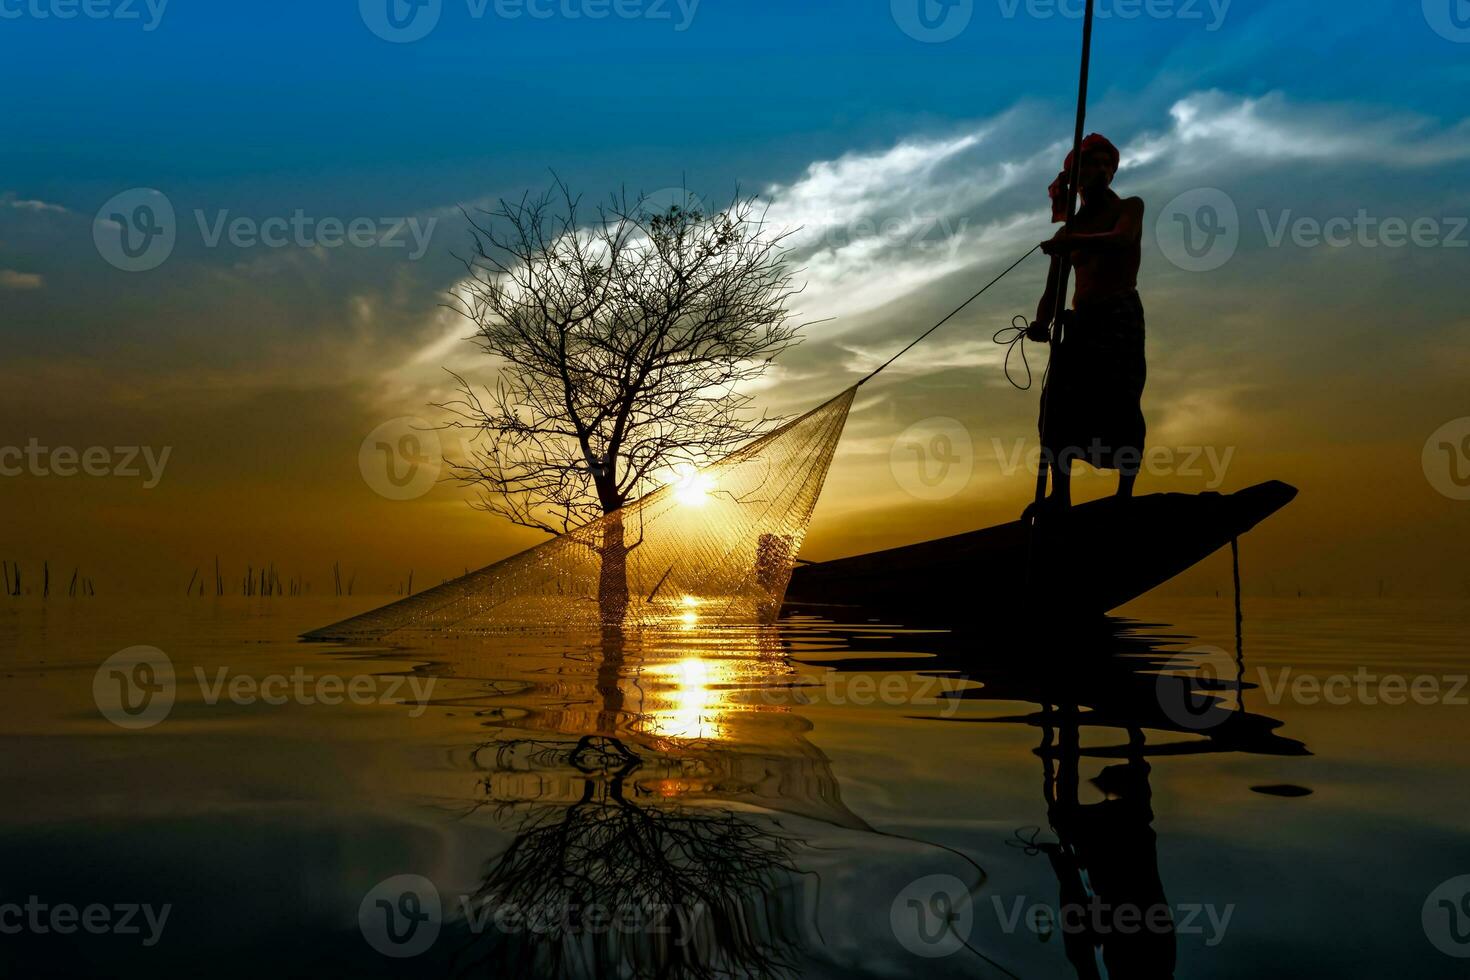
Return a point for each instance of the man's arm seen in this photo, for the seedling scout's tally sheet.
(1046, 309)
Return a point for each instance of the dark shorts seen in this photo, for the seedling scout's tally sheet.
(1093, 407)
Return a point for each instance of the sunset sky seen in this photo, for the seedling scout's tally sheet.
(1304, 260)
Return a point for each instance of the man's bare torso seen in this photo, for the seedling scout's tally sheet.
(1103, 273)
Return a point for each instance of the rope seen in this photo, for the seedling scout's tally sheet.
(1017, 339)
(1239, 615)
(923, 336)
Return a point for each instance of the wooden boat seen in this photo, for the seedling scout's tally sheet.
(1106, 553)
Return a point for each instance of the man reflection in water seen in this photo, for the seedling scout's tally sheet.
(1106, 861)
(1091, 410)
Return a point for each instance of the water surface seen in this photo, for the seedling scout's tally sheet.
(816, 798)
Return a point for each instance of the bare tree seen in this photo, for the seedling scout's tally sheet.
(624, 345)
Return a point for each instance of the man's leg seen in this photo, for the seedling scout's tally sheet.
(1060, 497)
(1061, 479)
(1129, 462)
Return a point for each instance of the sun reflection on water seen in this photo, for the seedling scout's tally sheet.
(691, 702)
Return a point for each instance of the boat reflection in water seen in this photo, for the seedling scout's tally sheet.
(668, 814)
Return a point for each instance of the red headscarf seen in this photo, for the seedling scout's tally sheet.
(1058, 188)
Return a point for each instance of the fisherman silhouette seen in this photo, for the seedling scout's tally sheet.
(1091, 410)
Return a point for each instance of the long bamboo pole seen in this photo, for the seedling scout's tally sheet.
(1064, 272)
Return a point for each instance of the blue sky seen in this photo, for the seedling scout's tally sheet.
(274, 98)
(1292, 354)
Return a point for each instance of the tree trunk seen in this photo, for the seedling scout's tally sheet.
(609, 674)
(612, 584)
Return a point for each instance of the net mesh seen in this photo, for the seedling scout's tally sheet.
(715, 547)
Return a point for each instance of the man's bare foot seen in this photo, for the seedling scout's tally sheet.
(1052, 506)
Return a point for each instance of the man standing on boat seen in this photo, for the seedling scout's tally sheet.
(1091, 409)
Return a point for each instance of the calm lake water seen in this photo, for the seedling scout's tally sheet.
(815, 798)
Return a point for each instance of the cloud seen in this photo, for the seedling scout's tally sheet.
(881, 228)
(12, 280)
(877, 227)
(10, 201)
(888, 240)
(1216, 130)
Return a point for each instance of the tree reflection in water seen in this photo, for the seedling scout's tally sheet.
(625, 882)
(638, 853)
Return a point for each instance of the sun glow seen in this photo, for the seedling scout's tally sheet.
(691, 487)
(690, 616)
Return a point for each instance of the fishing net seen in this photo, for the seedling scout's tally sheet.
(716, 546)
